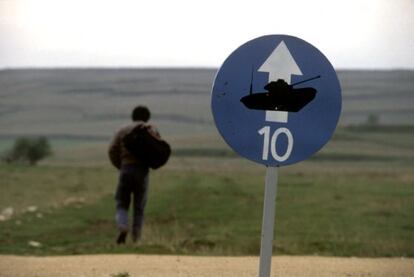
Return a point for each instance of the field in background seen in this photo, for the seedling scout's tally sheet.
(91, 103)
(353, 198)
(80, 109)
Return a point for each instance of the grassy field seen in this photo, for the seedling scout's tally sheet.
(211, 213)
(353, 198)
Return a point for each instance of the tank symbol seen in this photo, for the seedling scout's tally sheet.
(280, 96)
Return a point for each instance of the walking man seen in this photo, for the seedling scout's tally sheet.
(133, 178)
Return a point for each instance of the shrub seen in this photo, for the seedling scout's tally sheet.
(372, 120)
(29, 150)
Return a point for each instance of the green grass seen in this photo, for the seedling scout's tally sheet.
(48, 187)
(354, 198)
(205, 213)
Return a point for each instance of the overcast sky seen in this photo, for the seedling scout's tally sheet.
(136, 33)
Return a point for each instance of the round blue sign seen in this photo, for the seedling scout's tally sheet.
(276, 100)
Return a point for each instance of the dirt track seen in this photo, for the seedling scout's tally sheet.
(174, 266)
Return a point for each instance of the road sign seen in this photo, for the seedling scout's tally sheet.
(262, 108)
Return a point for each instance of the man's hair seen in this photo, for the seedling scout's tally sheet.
(140, 113)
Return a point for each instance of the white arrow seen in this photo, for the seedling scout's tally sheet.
(280, 65)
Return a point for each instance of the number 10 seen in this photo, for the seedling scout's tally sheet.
(266, 140)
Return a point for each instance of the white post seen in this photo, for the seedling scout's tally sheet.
(269, 210)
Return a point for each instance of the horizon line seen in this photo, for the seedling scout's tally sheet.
(184, 67)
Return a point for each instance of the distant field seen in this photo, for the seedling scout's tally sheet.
(91, 103)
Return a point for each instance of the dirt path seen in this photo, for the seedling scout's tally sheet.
(183, 266)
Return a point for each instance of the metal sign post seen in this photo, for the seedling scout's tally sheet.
(269, 210)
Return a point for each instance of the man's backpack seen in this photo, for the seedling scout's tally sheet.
(147, 148)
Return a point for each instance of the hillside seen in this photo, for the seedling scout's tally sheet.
(92, 103)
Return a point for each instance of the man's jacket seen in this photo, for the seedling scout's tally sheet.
(117, 152)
